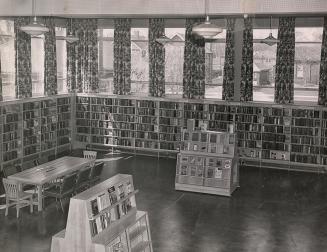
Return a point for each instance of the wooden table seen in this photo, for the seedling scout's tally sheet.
(44, 173)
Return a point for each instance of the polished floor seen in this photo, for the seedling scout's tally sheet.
(271, 211)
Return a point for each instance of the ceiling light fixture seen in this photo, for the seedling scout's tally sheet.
(163, 39)
(206, 29)
(270, 40)
(70, 38)
(34, 28)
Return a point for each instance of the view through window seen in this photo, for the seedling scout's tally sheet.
(37, 59)
(61, 52)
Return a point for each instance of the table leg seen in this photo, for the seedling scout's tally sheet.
(39, 197)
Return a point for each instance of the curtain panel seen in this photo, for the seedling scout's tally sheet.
(228, 79)
(322, 99)
(23, 83)
(50, 58)
(82, 57)
(246, 87)
(1, 96)
(156, 58)
(284, 73)
(194, 63)
(122, 56)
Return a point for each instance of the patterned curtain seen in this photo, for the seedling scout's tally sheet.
(246, 88)
(284, 79)
(23, 63)
(122, 56)
(194, 63)
(0, 80)
(50, 58)
(322, 100)
(228, 79)
(156, 58)
(82, 56)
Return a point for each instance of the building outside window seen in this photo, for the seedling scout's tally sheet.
(174, 61)
(307, 63)
(264, 62)
(37, 60)
(7, 54)
(106, 60)
(61, 51)
(214, 66)
(139, 61)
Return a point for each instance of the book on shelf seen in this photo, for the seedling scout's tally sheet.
(121, 191)
(112, 195)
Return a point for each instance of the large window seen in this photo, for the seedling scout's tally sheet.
(307, 63)
(7, 53)
(139, 61)
(214, 66)
(174, 61)
(61, 60)
(264, 61)
(106, 59)
(37, 59)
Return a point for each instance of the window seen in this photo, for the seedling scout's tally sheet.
(61, 51)
(264, 61)
(7, 52)
(106, 59)
(307, 63)
(139, 61)
(214, 66)
(174, 61)
(37, 59)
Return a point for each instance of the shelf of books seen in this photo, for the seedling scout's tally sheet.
(207, 162)
(105, 218)
(31, 131)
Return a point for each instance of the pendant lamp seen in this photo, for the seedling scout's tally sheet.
(70, 38)
(163, 39)
(35, 28)
(206, 29)
(270, 40)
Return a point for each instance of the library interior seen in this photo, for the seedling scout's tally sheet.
(163, 126)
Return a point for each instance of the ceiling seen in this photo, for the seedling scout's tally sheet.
(164, 8)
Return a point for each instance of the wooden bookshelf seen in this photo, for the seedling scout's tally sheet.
(105, 218)
(207, 163)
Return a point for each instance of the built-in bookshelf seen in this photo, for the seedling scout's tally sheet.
(207, 162)
(105, 218)
(35, 130)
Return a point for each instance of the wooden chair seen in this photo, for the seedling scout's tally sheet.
(92, 155)
(14, 196)
(63, 190)
(82, 181)
(96, 171)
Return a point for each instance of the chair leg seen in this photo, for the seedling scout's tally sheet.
(7, 206)
(31, 205)
(17, 209)
(62, 208)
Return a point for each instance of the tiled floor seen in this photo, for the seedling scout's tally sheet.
(271, 211)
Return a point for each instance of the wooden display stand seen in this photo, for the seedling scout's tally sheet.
(207, 163)
(104, 218)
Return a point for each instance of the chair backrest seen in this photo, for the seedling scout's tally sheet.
(90, 154)
(96, 170)
(68, 183)
(83, 176)
(11, 188)
(9, 170)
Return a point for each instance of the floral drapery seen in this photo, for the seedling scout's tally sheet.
(228, 79)
(322, 99)
(23, 83)
(194, 63)
(156, 58)
(284, 75)
(82, 56)
(50, 58)
(122, 56)
(246, 87)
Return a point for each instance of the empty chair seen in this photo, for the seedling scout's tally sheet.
(82, 180)
(63, 190)
(92, 155)
(9, 170)
(15, 196)
(96, 173)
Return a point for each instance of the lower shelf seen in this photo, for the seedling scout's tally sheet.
(205, 189)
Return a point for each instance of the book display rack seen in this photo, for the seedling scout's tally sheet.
(34, 129)
(105, 218)
(207, 162)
